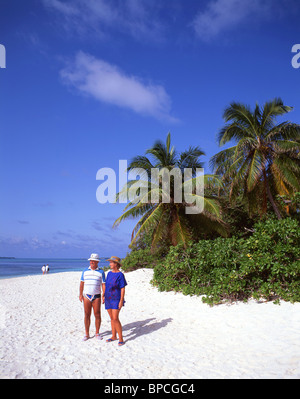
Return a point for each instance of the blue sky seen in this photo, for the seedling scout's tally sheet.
(88, 83)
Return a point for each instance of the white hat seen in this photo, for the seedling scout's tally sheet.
(94, 257)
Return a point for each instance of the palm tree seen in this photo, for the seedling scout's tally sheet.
(265, 159)
(168, 222)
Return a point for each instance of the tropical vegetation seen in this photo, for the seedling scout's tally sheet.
(245, 243)
(168, 221)
(263, 266)
(264, 160)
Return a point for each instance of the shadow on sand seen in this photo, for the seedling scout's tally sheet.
(133, 330)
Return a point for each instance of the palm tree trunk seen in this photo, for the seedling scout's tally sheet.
(270, 196)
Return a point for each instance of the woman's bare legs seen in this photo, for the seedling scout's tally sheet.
(116, 327)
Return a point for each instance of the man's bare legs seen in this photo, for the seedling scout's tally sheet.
(97, 313)
(88, 305)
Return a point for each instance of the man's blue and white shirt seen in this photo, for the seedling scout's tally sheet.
(92, 280)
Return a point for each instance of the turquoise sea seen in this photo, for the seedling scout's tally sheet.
(18, 267)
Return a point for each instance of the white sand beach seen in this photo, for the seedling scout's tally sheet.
(167, 335)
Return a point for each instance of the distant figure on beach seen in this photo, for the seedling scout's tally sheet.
(47, 268)
(114, 297)
(43, 269)
(92, 279)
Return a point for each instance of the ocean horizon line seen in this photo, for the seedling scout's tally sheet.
(48, 258)
(18, 267)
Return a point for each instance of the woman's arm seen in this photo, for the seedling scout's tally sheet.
(103, 292)
(121, 303)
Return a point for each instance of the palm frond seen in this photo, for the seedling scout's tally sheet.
(287, 170)
(272, 109)
(284, 131)
(234, 131)
(140, 162)
(160, 232)
(287, 146)
(133, 213)
(180, 233)
(255, 169)
(190, 159)
(220, 160)
(150, 221)
(241, 114)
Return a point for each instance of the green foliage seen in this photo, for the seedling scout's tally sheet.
(141, 258)
(265, 265)
(166, 217)
(290, 204)
(141, 255)
(265, 158)
(258, 175)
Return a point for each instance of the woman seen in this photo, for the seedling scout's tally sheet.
(114, 297)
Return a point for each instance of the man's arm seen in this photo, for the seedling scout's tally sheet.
(81, 290)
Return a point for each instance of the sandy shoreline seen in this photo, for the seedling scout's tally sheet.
(167, 335)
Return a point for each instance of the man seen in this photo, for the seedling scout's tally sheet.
(91, 281)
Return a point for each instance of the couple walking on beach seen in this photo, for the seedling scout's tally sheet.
(45, 269)
(113, 291)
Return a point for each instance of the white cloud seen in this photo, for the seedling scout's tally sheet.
(65, 8)
(133, 17)
(223, 15)
(150, 19)
(107, 83)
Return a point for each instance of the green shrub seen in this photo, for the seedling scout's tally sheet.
(141, 258)
(265, 265)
